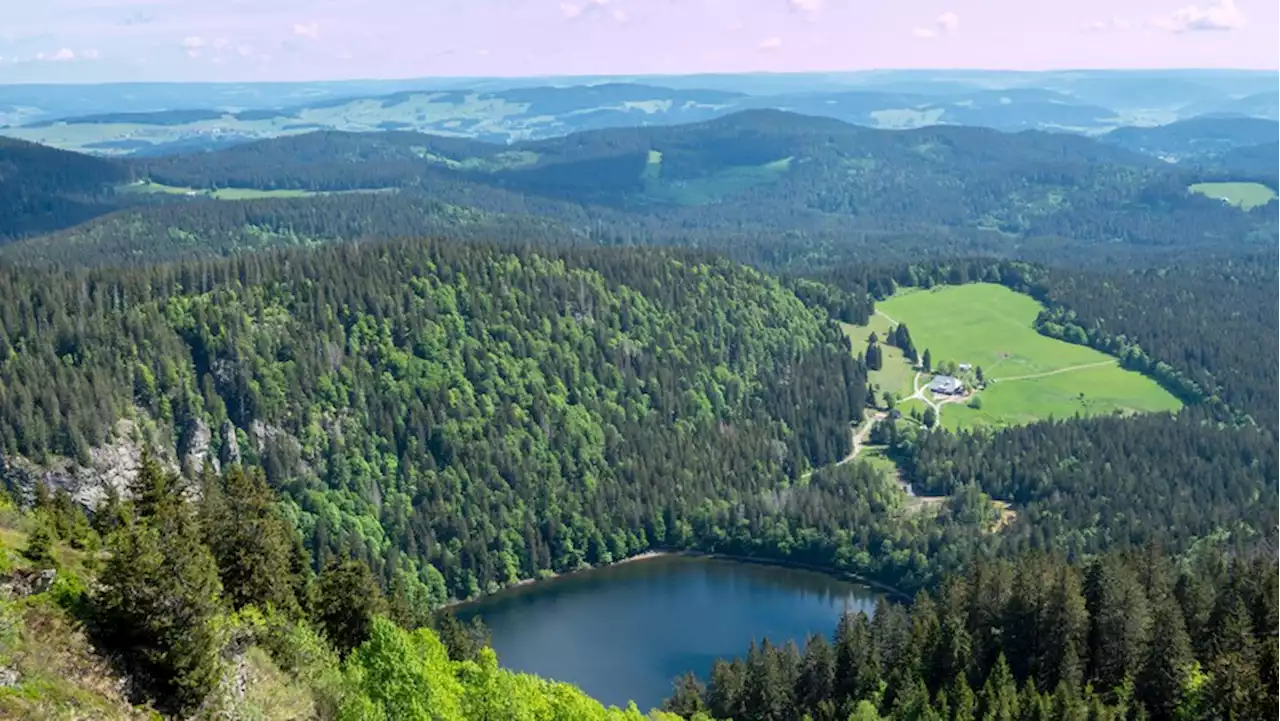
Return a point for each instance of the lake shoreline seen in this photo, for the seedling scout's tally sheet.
(844, 576)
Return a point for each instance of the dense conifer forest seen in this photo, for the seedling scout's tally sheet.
(475, 377)
(1128, 635)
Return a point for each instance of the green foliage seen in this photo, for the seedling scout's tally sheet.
(600, 403)
(39, 548)
(399, 674)
(251, 542)
(160, 595)
(347, 602)
(1047, 641)
(404, 675)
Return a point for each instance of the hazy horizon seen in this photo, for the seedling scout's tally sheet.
(102, 41)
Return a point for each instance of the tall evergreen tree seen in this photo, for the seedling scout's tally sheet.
(252, 544)
(160, 594)
(347, 601)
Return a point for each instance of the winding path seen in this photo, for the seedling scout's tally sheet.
(1056, 372)
(884, 315)
(860, 436)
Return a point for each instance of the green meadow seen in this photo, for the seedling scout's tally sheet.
(232, 193)
(896, 373)
(1241, 195)
(1029, 376)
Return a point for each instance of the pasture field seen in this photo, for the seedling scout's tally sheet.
(1242, 195)
(233, 193)
(896, 373)
(1087, 392)
(1030, 376)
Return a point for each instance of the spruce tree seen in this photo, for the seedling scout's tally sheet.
(252, 543)
(160, 594)
(347, 600)
(39, 548)
(1164, 676)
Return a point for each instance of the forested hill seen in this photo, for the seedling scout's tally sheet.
(497, 414)
(43, 189)
(776, 188)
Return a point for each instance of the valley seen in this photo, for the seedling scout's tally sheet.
(567, 399)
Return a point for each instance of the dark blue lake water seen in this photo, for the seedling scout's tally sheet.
(625, 632)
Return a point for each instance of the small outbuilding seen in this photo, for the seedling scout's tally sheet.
(946, 385)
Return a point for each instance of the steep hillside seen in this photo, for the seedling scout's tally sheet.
(43, 189)
(601, 403)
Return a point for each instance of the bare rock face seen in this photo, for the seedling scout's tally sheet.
(112, 465)
(230, 444)
(198, 442)
(22, 583)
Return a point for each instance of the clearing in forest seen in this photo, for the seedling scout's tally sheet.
(1029, 376)
(235, 193)
(895, 373)
(1242, 195)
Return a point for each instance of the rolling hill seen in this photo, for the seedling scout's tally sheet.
(527, 113)
(774, 188)
(44, 189)
(1196, 137)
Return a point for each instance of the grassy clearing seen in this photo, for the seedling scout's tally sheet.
(1087, 392)
(896, 374)
(1242, 195)
(234, 193)
(991, 326)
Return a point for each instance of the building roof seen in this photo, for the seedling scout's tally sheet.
(944, 383)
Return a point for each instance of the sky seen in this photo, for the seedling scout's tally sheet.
(250, 40)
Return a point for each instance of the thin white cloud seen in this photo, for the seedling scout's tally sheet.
(483, 52)
(64, 54)
(309, 30)
(244, 50)
(572, 11)
(947, 23)
(1116, 24)
(771, 43)
(194, 45)
(1218, 15)
(806, 6)
(90, 54)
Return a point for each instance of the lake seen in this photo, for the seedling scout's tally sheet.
(625, 632)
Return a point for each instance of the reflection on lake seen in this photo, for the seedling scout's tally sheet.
(625, 632)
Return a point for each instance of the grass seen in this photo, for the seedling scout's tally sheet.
(234, 193)
(991, 326)
(1245, 196)
(895, 374)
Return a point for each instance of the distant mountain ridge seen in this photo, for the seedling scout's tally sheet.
(507, 111)
(765, 185)
(1196, 137)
